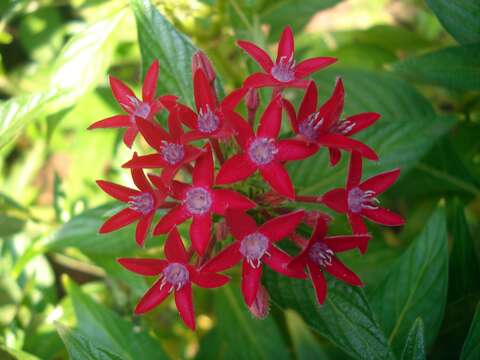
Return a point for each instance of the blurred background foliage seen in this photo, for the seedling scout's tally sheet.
(62, 293)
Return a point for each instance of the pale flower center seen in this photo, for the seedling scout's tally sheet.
(138, 108)
(359, 199)
(207, 121)
(142, 203)
(175, 274)
(320, 254)
(198, 200)
(309, 127)
(284, 70)
(262, 150)
(343, 127)
(172, 153)
(253, 247)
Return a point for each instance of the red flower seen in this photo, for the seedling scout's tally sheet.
(359, 200)
(199, 201)
(142, 204)
(135, 108)
(319, 256)
(284, 73)
(255, 246)
(209, 120)
(324, 127)
(263, 151)
(175, 275)
(173, 152)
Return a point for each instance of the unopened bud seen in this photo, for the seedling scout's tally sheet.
(221, 231)
(252, 100)
(271, 198)
(311, 217)
(260, 307)
(201, 61)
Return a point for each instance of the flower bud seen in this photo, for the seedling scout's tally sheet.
(252, 100)
(311, 217)
(260, 307)
(201, 61)
(221, 231)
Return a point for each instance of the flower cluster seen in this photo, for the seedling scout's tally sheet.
(215, 183)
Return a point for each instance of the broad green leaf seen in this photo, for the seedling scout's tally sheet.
(459, 17)
(471, 348)
(79, 347)
(406, 115)
(454, 68)
(345, 319)
(10, 353)
(109, 330)
(414, 348)
(416, 286)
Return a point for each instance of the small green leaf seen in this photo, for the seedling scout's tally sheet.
(415, 344)
(416, 285)
(15, 354)
(459, 17)
(471, 347)
(454, 68)
(12, 216)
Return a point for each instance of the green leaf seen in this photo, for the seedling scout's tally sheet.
(454, 68)
(416, 285)
(345, 319)
(471, 348)
(406, 115)
(459, 17)
(415, 345)
(16, 354)
(81, 348)
(109, 330)
(12, 216)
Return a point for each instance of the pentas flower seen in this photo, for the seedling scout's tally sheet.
(359, 199)
(133, 106)
(199, 201)
(254, 246)
(319, 256)
(176, 276)
(173, 151)
(324, 127)
(142, 204)
(263, 151)
(208, 121)
(284, 72)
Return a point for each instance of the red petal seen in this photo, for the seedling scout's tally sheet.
(143, 227)
(344, 243)
(203, 171)
(383, 216)
(341, 272)
(209, 280)
(279, 260)
(167, 101)
(237, 168)
(117, 121)
(140, 179)
(320, 231)
(176, 216)
(122, 93)
(294, 150)
(150, 83)
(308, 66)
(123, 218)
(280, 227)
(153, 134)
(308, 105)
(354, 171)
(129, 136)
(147, 267)
(286, 45)
(335, 155)
(343, 142)
(116, 191)
(203, 93)
(299, 262)
(231, 101)
(240, 224)
(336, 199)
(153, 297)
(200, 232)
(157, 181)
(381, 182)
(243, 131)
(278, 178)
(332, 109)
(191, 153)
(259, 80)
(271, 119)
(186, 115)
(259, 55)
(228, 199)
(184, 302)
(319, 282)
(152, 161)
(175, 126)
(292, 116)
(362, 121)
(178, 190)
(250, 282)
(225, 259)
(174, 248)
(357, 224)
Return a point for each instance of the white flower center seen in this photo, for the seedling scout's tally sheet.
(138, 108)
(175, 274)
(172, 153)
(198, 200)
(320, 254)
(309, 127)
(262, 150)
(207, 121)
(253, 247)
(358, 199)
(284, 70)
(142, 203)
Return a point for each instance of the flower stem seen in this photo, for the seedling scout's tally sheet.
(308, 199)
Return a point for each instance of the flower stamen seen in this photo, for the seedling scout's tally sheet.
(174, 274)
(284, 70)
(359, 199)
(172, 153)
(320, 254)
(253, 247)
(142, 203)
(262, 150)
(198, 201)
(207, 120)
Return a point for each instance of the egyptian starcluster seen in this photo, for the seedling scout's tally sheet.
(235, 182)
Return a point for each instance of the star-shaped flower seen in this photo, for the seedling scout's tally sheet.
(255, 246)
(134, 107)
(176, 275)
(319, 256)
(263, 151)
(324, 127)
(199, 201)
(284, 72)
(359, 199)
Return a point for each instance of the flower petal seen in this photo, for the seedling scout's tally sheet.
(129, 136)
(209, 280)
(361, 121)
(258, 54)
(140, 179)
(294, 150)
(292, 116)
(243, 131)
(319, 282)
(271, 119)
(153, 134)
(225, 259)
(381, 182)
(320, 231)
(240, 224)
(143, 226)
(347, 242)
(308, 66)
(203, 93)
(116, 191)
(336, 199)
(286, 45)
(335, 156)
(235, 169)
(277, 177)
(228, 199)
(150, 82)
(176, 216)
(331, 110)
(151, 161)
(354, 171)
(279, 260)
(117, 121)
(358, 228)
(186, 115)
(174, 248)
(147, 267)
(341, 272)
(259, 80)
(231, 101)
(250, 281)
(203, 171)
(383, 216)
(175, 126)
(280, 227)
(178, 189)
(122, 93)
(308, 105)
(122, 218)
(342, 142)
(201, 232)
(184, 302)
(153, 297)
